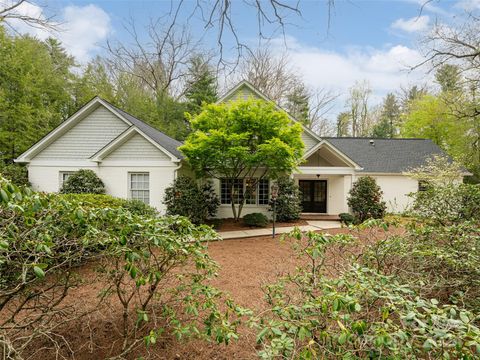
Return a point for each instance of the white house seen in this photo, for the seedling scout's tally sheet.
(136, 161)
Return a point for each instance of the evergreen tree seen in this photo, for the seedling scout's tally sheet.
(35, 90)
(95, 81)
(298, 104)
(201, 85)
(449, 78)
(389, 118)
(343, 124)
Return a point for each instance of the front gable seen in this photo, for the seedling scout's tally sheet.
(136, 147)
(324, 154)
(85, 138)
(244, 91)
(325, 157)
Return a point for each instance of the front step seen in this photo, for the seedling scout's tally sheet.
(315, 216)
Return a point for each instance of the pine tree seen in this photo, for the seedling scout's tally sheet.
(201, 85)
(389, 118)
(298, 104)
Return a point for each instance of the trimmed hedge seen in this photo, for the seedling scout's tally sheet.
(106, 201)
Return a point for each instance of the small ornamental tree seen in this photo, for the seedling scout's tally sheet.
(83, 181)
(366, 199)
(243, 139)
(185, 197)
(288, 205)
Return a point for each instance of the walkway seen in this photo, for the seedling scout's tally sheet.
(312, 225)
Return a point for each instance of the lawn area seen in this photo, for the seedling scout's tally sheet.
(245, 265)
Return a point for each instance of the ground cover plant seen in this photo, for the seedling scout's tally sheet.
(156, 268)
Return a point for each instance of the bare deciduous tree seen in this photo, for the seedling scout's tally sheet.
(16, 10)
(357, 105)
(160, 63)
(270, 73)
(458, 45)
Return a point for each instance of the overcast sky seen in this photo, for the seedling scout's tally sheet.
(367, 40)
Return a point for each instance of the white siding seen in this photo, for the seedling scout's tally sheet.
(395, 191)
(244, 93)
(85, 138)
(137, 147)
(115, 178)
(308, 140)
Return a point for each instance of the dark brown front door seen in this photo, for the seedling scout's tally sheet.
(314, 195)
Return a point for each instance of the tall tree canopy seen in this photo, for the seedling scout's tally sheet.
(35, 90)
(243, 139)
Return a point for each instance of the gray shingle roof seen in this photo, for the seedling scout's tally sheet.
(387, 155)
(159, 137)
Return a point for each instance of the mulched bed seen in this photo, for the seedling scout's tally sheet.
(232, 225)
(245, 266)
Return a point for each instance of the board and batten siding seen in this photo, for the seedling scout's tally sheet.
(137, 147)
(87, 137)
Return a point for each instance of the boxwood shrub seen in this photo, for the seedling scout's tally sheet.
(255, 219)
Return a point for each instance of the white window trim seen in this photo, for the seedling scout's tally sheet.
(245, 205)
(60, 177)
(130, 185)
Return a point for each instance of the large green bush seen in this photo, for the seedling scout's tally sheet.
(289, 203)
(365, 199)
(106, 201)
(186, 197)
(17, 174)
(45, 237)
(448, 203)
(255, 220)
(83, 181)
(361, 313)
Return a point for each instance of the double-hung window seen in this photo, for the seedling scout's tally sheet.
(139, 186)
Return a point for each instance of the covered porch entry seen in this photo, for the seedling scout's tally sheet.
(324, 180)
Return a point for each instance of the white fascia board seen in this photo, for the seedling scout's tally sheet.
(335, 150)
(123, 137)
(64, 126)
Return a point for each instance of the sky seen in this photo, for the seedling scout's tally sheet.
(377, 41)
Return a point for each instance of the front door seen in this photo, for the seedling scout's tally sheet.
(314, 195)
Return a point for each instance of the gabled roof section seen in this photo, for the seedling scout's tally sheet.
(162, 139)
(248, 85)
(393, 156)
(336, 151)
(146, 130)
(123, 138)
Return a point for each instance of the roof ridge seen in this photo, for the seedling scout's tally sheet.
(136, 118)
(370, 138)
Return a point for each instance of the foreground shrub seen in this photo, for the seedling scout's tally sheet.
(451, 203)
(436, 261)
(17, 174)
(289, 203)
(365, 199)
(136, 207)
(83, 181)
(347, 219)
(359, 314)
(156, 268)
(255, 220)
(186, 198)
